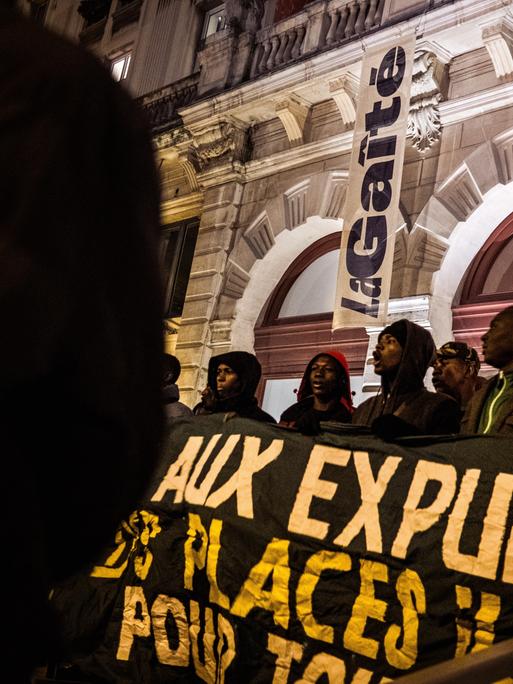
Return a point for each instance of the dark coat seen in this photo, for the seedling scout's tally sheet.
(244, 404)
(503, 425)
(81, 307)
(407, 398)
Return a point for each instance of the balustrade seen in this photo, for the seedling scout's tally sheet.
(285, 41)
(353, 18)
(160, 107)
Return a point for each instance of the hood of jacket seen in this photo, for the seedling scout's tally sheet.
(418, 353)
(248, 370)
(305, 388)
(170, 393)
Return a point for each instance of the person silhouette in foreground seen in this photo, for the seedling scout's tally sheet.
(81, 311)
(403, 406)
(324, 394)
(456, 372)
(173, 407)
(490, 411)
(232, 382)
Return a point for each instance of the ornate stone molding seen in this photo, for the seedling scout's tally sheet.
(220, 142)
(503, 145)
(498, 40)
(295, 204)
(427, 90)
(342, 92)
(236, 280)
(460, 193)
(293, 113)
(260, 236)
(334, 195)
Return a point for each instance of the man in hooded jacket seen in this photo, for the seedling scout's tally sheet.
(403, 406)
(324, 394)
(232, 381)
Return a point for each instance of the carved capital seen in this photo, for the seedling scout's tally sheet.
(429, 83)
(221, 142)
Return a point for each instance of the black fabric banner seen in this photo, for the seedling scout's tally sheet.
(261, 555)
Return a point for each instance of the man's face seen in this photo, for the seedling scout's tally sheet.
(324, 377)
(387, 355)
(498, 341)
(449, 374)
(227, 381)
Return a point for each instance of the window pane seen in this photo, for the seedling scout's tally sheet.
(214, 21)
(319, 280)
(119, 68)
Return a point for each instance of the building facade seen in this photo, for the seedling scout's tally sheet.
(252, 106)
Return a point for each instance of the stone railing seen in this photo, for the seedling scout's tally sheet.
(309, 31)
(349, 19)
(160, 106)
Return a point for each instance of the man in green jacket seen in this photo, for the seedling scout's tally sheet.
(490, 411)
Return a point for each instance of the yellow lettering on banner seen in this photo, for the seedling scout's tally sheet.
(214, 546)
(507, 575)
(151, 527)
(136, 621)
(361, 676)
(207, 554)
(194, 557)
(417, 519)
(494, 526)
(198, 495)
(463, 633)
(178, 472)
(126, 540)
(486, 617)
(324, 664)
(274, 564)
(412, 597)
(285, 651)
(225, 647)
(161, 608)
(207, 670)
(312, 486)
(241, 482)
(366, 606)
(322, 560)
(372, 491)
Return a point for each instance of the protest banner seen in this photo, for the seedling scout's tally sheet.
(372, 203)
(261, 555)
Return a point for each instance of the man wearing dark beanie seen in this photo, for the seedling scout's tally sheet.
(403, 406)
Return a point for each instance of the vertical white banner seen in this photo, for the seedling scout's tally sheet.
(372, 202)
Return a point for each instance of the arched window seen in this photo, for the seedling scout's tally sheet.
(296, 322)
(487, 286)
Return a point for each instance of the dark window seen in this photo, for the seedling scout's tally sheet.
(38, 10)
(178, 244)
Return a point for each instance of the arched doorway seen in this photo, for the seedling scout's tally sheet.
(295, 324)
(487, 287)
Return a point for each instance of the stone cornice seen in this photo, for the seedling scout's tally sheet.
(306, 154)
(182, 208)
(251, 102)
(474, 105)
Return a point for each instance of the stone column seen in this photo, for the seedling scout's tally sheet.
(195, 341)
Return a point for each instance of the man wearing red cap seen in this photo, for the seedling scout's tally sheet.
(403, 406)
